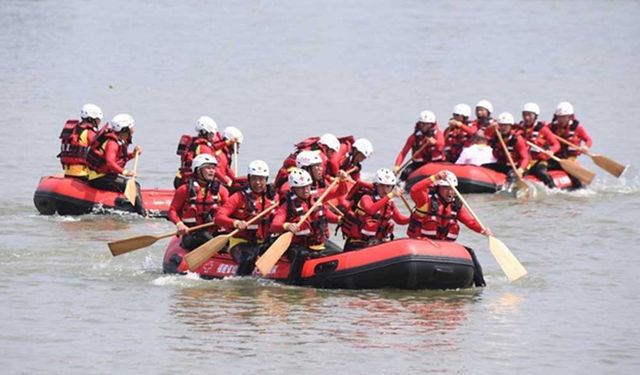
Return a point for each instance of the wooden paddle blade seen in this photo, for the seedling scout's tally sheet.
(576, 170)
(609, 165)
(266, 262)
(130, 191)
(124, 246)
(505, 258)
(205, 251)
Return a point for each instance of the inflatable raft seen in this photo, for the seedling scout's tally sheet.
(402, 264)
(72, 196)
(476, 179)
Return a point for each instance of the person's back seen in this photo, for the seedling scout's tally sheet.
(75, 139)
(478, 153)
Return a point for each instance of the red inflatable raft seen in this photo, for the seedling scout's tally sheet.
(476, 179)
(403, 264)
(72, 196)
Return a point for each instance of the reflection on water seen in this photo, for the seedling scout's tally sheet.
(248, 309)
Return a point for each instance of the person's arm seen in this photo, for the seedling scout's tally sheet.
(404, 151)
(370, 207)
(280, 218)
(467, 219)
(523, 152)
(582, 134)
(554, 144)
(111, 157)
(419, 192)
(398, 217)
(223, 216)
(177, 204)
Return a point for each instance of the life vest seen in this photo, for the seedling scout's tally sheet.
(498, 150)
(484, 124)
(358, 225)
(532, 135)
(349, 162)
(454, 141)
(429, 153)
(257, 231)
(202, 203)
(72, 151)
(436, 220)
(317, 231)
(187, 150)
(95, 156)
(566, 150)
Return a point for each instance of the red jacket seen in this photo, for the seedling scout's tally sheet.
(455, 139)
(416, 140)
(197, 202)
(372, 217)
(434, 218)
(244, 205)
(517, 148)
(539, 134)
(574, 133)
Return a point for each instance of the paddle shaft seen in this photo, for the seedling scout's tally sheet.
(130, 190)
(566, 142)
(254, 219)
(508, 154)
(413, 155)
(468, 207)
(406, 203)
(540, 149)
(189, 230)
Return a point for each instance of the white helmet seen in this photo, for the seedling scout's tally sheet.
(330, 141)
(364, 146)
(462, 110)
(202, 159)
(258, 168)
(506, 118)
(232, 133)
(531, 107)
(427, 117)
(299, 178)
(308, 158)
(485, 104)
(563, 109)
(91, 111)
(451, 180)
(121, 121)
(385, 177)
(206, 124)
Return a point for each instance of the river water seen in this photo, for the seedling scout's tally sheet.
(281, 71)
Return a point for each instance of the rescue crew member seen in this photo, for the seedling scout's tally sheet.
(483, 120)
(459, 133)
(206, 141)
(108, 154)
(538, 132)
(566, 125)
(241, 207)
(437, 212)
(311, 162)
(426, 131)
(232, 139)
(478, 153)
(370, 218)
(516, 146)
(328, 146)
(358, 152)
(75, 139)
(311, 237)
(197, 202)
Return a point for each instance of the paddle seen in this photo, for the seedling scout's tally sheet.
(210, 248)
(572, 167)
(520, 183)
(134, 243)
(609, 165)
(235, 158)
(505, 258)
(266, 262)
(130, 189)
(406, 203)
(413, 155)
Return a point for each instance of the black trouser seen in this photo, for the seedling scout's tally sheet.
(502, 168)
(245, 255)
(351, 244)
(410, 168)
(539, 169)
(192, 240)
(478, 276)
(117, 183)
(554, 165)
